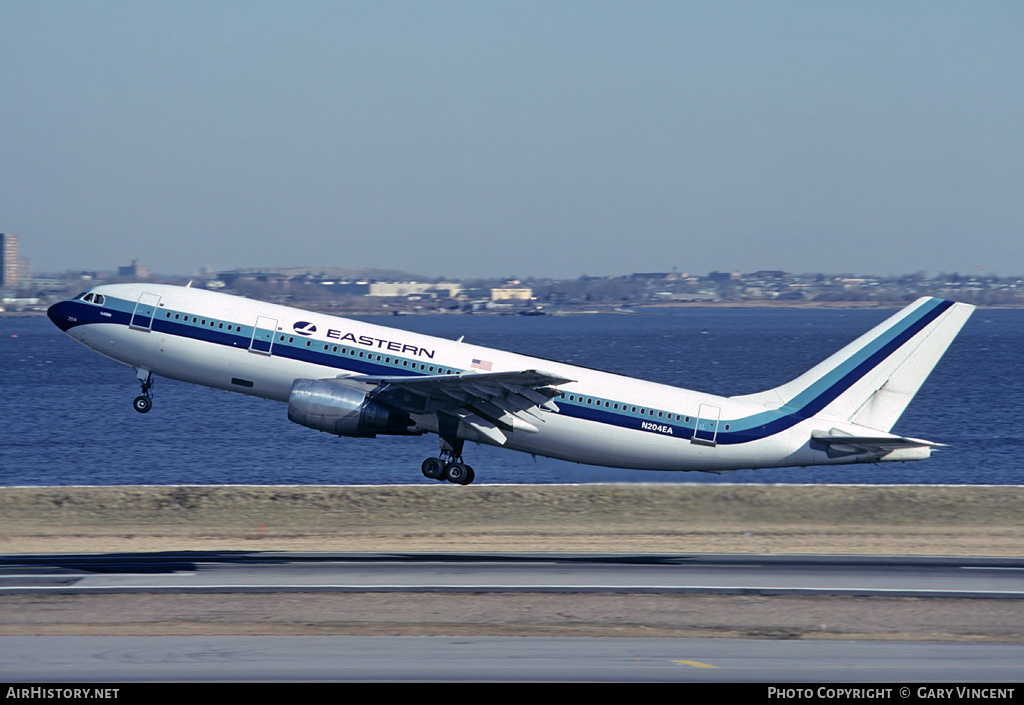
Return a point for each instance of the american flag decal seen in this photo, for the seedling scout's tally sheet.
(481, 365)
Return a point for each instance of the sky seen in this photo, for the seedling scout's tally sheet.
(490, 139)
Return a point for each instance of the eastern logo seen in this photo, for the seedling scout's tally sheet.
(304, 328)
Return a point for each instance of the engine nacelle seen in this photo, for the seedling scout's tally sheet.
(343, 411)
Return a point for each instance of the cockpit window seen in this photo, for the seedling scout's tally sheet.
(92, 298)
(87, 297)
(99, 299)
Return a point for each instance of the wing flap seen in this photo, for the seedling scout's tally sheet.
(484, 428)
(490, 402)
(532, 378)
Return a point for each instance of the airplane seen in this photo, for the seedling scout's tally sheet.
(355, 379)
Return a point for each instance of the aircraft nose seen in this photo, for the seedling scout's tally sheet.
(58, 313)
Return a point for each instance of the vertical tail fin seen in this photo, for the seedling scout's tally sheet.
(871, 380)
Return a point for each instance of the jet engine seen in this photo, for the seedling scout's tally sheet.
(333, 408)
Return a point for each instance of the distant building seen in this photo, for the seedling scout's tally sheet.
(134, 270)
(443, 289)
(512, 294)
(399, 288)
(448, 290)
(9, 278)
(347, 288)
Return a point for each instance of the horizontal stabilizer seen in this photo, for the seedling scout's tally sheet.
(838, 444)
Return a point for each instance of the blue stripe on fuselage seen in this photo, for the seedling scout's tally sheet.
(68, 314)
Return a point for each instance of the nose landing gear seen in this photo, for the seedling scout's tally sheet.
(144, 402)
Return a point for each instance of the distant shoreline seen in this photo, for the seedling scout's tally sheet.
(609, 310)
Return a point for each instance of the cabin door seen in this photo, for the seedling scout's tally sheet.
(145, 309)
(263, 335)
(705, 430)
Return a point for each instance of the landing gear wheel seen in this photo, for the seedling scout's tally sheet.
(433, 468)
(144, 402)
(452, 467)
(457, 473)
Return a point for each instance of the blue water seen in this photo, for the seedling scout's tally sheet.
(67, 417)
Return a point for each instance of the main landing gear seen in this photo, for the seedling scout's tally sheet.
(449, 466)
(144, 402)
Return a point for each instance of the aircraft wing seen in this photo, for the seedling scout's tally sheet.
(493, 403)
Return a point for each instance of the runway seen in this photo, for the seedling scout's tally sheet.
(423, 659)
(237, 616)
(179, 572)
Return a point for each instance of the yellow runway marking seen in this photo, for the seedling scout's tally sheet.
(695, 664)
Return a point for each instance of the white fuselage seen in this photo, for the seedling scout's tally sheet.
(600, 418)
